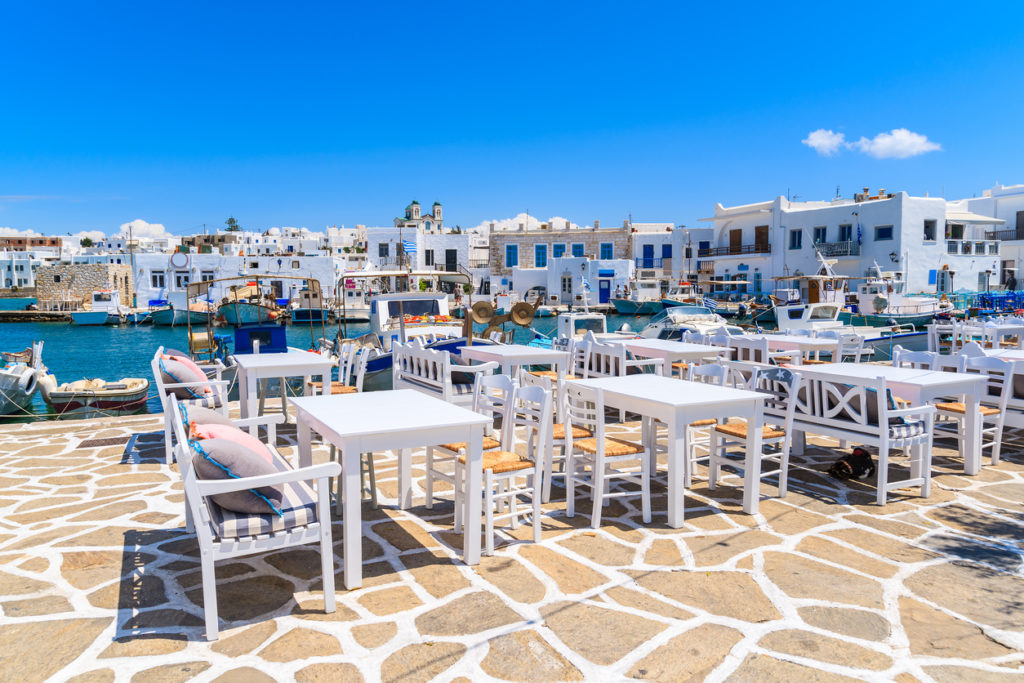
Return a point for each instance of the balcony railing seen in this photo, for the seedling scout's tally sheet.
(828, 249)
(1011, 234)
(649, 262)
(765, 248)
(972, 247)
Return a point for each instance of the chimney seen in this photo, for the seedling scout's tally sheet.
(492, 226)
(625, 223)
(566, 224)
(522, 227)
(597, 224)
(881, 193)
(867, 190)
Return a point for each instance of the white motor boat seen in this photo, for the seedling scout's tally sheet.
(672, 322)
(107, 309)
(19, 379)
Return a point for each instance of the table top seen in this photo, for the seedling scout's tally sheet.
(911, 376)
(669, 391)
(669, 346)
(808, 342)
(294, 357)
(378, 412)
(501, 352)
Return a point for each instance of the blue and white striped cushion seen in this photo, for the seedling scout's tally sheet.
(298, 508)
(205, 401)
(457, 389)
(907, 430)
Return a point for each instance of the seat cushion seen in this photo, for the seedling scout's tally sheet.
(207, 401)
(297, 506)
(558, 432)
(201, 415)
(907, 430)
(336, 388)
(221, 459)
(739, 431)
(489, 444)
(961, 408)
(553, 374)
(205, 432)
(612, 446)
(503, 461)
(704, 423)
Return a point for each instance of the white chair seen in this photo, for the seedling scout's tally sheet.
(216, 400)
(560, 426)
(921, 360)
(352, 364)
(698, 433)
(492, 396)
(781, 385)
(611, 360)
(305, 515)
(589, 461)
(503, 468)
(719, 338)
(952, 414)
(569, 347)
(972, 350)
(693, 337)
(850, 347)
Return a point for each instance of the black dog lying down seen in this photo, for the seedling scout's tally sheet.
(856, 465)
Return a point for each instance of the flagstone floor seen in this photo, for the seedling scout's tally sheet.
(99, 581)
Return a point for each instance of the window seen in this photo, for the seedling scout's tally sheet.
(929, 230)
(206, 275)
(820, 234)
(428, 257)
(577, 249)
(557, 250)
(846, 233)
(511, 255)
(158, 280)
(883, 233)
(254, 264)
(757, 282)
(382, 250)
(796, 239)
(931, 276)
(540, 256)
(56, 279)
(181, 279)
(666, 251)
(607, 251)
(983, 282)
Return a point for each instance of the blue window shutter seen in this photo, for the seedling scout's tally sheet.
(931, 277)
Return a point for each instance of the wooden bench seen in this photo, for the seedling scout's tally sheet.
(430, 372)
(861, 411)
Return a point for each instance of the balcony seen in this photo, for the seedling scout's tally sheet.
(834, 249)
(972, 248)
(1011, 234)
(649, 262)
(765, 248)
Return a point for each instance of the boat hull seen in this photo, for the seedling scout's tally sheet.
(243, 313)
(874, 320)
(89, 317)
(18, 386)
(309, 315)
(628, 307)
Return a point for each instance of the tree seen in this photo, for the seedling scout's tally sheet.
(232, 224)
(86, 242)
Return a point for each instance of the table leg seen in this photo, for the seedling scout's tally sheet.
(326, 382)
(972, 435)
(305, 447)
(405, 478)
(752, 464)
(474, 485)
(351, 496)
(243, 393)
(284, 397)
(676, 467)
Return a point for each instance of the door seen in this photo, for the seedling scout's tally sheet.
(648, 258)
(450, 260)
(604, 291)
(813, 292)
(735, 241)
(566, 295)
(761, 237)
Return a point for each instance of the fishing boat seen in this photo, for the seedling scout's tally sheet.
(247, 305)
(672, 322)
(353, 305)
(308, 307)
(174, 311)
(644, 298)
(682, 294)
(88, 397)
(19, 379)
(882, 300)
(106, 309)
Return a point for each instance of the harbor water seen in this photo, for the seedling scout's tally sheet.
(112, 352)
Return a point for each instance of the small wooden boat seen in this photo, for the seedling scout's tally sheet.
(95, 395)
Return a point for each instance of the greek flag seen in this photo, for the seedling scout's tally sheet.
(408, 246)
(710, 303)
(586, 285)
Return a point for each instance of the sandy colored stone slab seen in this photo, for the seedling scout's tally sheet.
(889, 526)
(472, 613)
(248, 598)
(435, 572)
(663, 553)
(888, 548)
(244, 641)
(709, 551)
(144, 646)
(329, 673)
(963, 674)
(420, 662)
(95, 676)
(601, 635)
(390, 600)
(730, 594)
(524, 655)
(825, 649)
(87, 568)
(642, 601)
(963, 518)
(34, 607)
(800, 577)
(982, 595)
(171, 673)
(404, 535)
(133, 592)
(787, 519)
(833, 552)
(571, 576)
(856, 623)
(312, 609)
(511, 577)
(301, 563)
(301, 643)
(689, 656)
(244, 674)
(65, 640)
(599, 549)
(373, 636)
(766, 669)
(13, 584)
(935, 633)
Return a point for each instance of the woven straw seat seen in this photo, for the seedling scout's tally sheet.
(336, 388)
(957, 407)
(740, 430)
(704, 423)
(681, 366)
(814, 361)
(1008, 344)
(783, 359)
(553, 374)
(489, 444)
(503, 461)
(612, 446)
(558, 432)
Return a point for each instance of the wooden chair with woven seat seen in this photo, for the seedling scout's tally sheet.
(531, 409)
(781, 385)
(568, 372)
(352, 360)
(492, 396)
(559, 427)
(698, 433)
(951, 415)
(595, 455)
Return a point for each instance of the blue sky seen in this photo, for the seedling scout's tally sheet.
(183, 114)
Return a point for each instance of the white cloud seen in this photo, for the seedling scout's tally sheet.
(824, 142)
(94, 235)
(14, 232)
(900, 143)
(531, 223)
(141, 228)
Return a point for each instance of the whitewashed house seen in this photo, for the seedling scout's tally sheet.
(1006, 203)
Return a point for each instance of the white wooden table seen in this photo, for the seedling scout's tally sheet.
(794, 342)
(922, 386)
(253, 367)
(678, 403)
(672, 351)
(391, 420)
(512, 356)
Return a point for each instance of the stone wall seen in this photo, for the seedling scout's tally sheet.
(591, 239)
(81, 280)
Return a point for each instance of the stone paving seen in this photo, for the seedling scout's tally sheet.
(99, 581)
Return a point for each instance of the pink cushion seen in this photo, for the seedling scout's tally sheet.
(231, 433)
(191, 365)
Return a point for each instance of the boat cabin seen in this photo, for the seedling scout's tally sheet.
(404, 315)
(108, 300)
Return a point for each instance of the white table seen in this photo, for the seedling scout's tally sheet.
(678, 403)
(672, 351)
(922, 386)
(511, 356)
(391, 420)
(253, 367)
(794, 342)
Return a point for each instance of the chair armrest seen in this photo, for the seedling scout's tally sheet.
(913, 410)
(321, 471)
(483, 367)
(271, 421)
(657, 364)
(212, 382)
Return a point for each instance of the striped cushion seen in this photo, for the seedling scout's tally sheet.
(457, 389)
(907, 430)
(298, 507)
(206, 401)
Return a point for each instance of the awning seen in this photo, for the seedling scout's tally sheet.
(968, 217)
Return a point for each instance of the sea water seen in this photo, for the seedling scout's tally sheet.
(114, 352)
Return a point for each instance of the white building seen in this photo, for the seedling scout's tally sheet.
(1005, 202)
(570, 280)
(17, 269)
